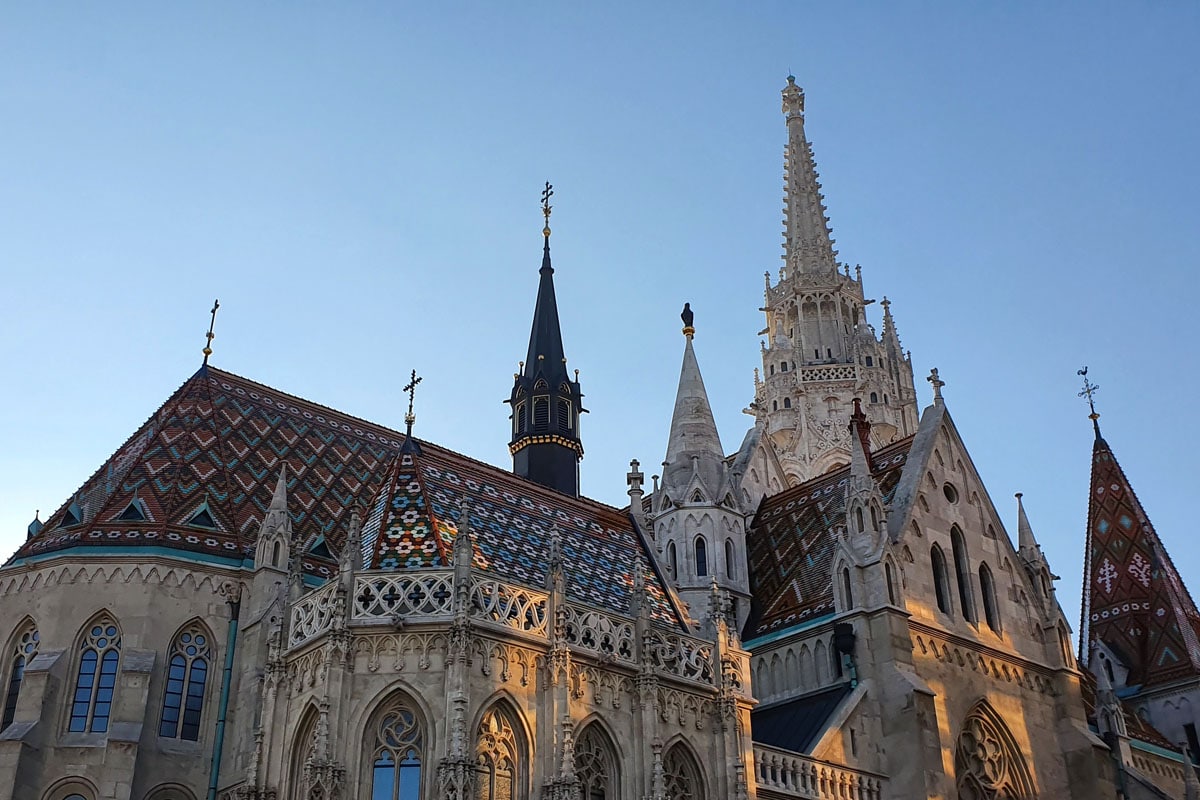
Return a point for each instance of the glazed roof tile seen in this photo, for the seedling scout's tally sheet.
(220, 440)
(1133, 598)
(791, 544)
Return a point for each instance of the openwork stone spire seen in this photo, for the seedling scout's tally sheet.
(807, 241)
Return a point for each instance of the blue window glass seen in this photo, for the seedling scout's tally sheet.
(97, 678)
(25, 649)
(187, 676)
(396, 770)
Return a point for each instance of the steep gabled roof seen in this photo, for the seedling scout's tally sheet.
(217, 445)
(791, 544)
(1133, 598)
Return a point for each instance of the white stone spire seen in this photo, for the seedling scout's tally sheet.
(1026, 543)
(694, 447)
(807, 244)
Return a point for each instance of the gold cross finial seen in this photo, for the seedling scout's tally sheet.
(411, 388)
(547, 193)
(210, 335)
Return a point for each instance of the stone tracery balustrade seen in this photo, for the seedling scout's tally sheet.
(787, 774)
(312, 614)
(829, 372)
(428, 595)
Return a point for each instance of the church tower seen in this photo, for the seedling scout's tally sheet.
(546, 402)
(820, 352)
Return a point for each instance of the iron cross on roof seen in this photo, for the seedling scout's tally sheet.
(1089, 391)
(411, 388)
(210, 335)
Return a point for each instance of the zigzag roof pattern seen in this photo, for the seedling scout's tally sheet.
(791, 543)
(1133, 598)
(217, 446)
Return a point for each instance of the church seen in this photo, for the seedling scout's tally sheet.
(257, 597)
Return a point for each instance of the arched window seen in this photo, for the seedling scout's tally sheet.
(874, 397)
(682, 774)
(396, 745)
(988, 761)
(519, 412)
(497, 758)
(988, 587)
(941, 581)
(730, 563)
(564, 415)
(187, 677)
(672, 562)
(787, 402)
(962, 574)
(23, 651)
(701, 557)
(859, 522)
(276, 552)
(870, 361)
(99, 654)
(596, 764)
(846, 590)
(303, 750)
(889, 574)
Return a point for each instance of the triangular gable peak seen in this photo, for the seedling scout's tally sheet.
(792, 543)
(1133, 598)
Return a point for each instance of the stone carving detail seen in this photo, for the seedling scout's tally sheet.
(829, 372)
(496, 758)
(682, 656)
(595, 766)
(682, 776)
(988, 762)
(599, 633)
(403, 594)
(511, 606)
(313, 614)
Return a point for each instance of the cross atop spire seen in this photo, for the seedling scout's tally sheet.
(938, 383)
(208, 337)
(547, 193)
(1089, 391)
(410, 445)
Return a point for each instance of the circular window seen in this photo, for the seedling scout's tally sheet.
(950, 492)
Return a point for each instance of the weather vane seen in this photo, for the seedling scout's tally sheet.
(411, 388)
(1089, 391)
(210, 335)
(547, 193)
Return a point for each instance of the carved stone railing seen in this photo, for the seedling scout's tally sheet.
(396, 595)
(312, 614)
(680, 655)
(511, 606)
(787, 774)
(602, 634)
(828, 372)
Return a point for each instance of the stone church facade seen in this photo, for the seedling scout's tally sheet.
(258, 597)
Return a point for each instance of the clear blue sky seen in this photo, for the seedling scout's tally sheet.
(359, 184)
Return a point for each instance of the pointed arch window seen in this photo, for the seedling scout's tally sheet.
(730, 562)
(396, 754)
(701, 557)
(23, 652)
(672, 562)
(859, 521)
(962, 574)
(564, 414)
(519, 412)
(541, 412)
(187, 678)
(497, 758)
(682, 775)
(847, 591)
(941, 581)
(988, 761)
(596, 764)
(96, 680)
(991, 613)
(787, 402)
(889, 575)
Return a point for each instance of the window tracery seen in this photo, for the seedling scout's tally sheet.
(595, 765)
(100, 651)
(396, 754)
(187, 677)
(988, 762)
(682, 775)
(497, 758)
(24, 650)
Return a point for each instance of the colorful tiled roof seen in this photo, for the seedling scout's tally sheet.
(1137, 727)
(414, 520)
(791, 544)
(1133, 598)
(217, 445)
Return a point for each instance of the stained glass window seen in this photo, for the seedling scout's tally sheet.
(24, 651)
(187, 676)
(496, 758)
(100, 652)
(396, 755)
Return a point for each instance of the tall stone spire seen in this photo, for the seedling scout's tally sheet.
(807, 244)
(546, 402)
(693, 447)
(1026, 543)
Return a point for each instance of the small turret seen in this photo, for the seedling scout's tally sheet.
(275, 533)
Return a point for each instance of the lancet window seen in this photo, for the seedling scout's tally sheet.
(682, 775)
(962, 572)
(701, 557)
(99, 654)
(596, 765)
(24, 650)
(941, 581)
(497, 758)
(187, 677)
(396, 754)
(991, 613)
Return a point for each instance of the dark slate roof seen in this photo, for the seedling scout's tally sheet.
(1133, 598)
(796, 724)
(791, 543)
(218, 443)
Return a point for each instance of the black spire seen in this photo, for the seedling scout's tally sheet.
(546, 402)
